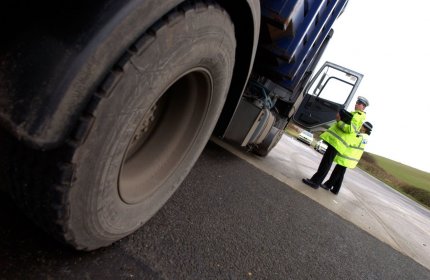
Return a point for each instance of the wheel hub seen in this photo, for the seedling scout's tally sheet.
(165, 136)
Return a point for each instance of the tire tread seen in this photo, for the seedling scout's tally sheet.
(40, 181)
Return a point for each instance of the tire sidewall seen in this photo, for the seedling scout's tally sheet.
(95, 205)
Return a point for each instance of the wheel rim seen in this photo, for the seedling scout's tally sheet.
(165, 136)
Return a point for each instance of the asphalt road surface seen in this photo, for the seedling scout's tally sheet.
(363, 200)
(228, 220)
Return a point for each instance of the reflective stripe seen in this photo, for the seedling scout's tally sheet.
(357, 148)
(341, 125)
(338, 138)
(348, 158)
(355, 128)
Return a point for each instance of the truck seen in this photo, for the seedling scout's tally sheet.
(106, 104)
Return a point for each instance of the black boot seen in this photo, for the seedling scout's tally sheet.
(310, 183)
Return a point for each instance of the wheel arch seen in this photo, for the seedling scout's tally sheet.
(246, 18)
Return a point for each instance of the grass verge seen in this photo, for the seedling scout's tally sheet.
(411, 182)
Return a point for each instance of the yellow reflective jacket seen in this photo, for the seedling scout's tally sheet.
(341, 134)
(353, 154)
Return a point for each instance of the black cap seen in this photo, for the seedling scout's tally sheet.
(368, 126)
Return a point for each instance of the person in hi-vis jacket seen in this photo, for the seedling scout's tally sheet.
(349, 159)
(338, 138)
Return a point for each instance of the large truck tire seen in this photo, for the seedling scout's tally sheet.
(139, 136)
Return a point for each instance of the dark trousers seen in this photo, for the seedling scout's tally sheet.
(336, 178)
(325, 165)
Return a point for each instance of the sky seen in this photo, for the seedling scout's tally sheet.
(388, 42)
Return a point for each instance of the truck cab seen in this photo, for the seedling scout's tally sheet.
(262, 115)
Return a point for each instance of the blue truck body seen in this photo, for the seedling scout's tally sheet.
(296, 33)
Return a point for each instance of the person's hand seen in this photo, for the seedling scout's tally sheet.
(337, 117)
